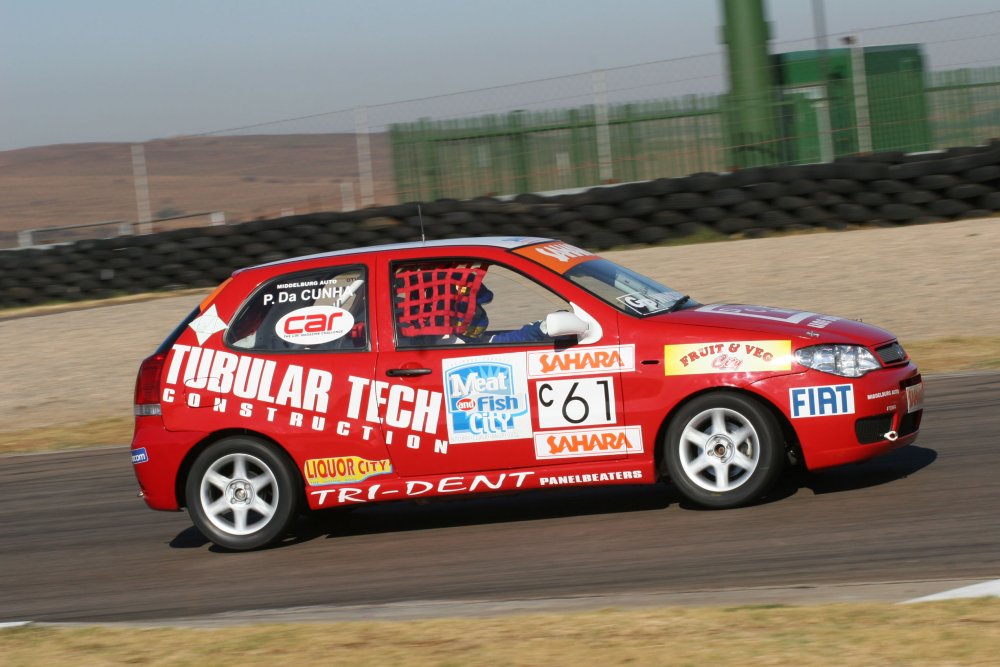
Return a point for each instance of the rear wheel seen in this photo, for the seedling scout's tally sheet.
(723, 450)
(241, 493)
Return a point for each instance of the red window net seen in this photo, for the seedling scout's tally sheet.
(436, 300)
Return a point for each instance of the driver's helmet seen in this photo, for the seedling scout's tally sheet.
(439, 300)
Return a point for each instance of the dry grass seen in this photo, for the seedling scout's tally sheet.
(965, 632)
(108, 431)
(956, 354)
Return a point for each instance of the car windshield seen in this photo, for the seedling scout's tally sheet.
(626, 290)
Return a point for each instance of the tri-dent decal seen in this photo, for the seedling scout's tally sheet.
(558, 256)
(582, 361)
(139, 456)
(597, 442)
(727, 357)
(824, 401)
(343, 470)
(396, 489)
(811, 320)
(411, 488)
(588, 401)
(487, 398)
(314, 325)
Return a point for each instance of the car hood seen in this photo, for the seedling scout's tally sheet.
(783, 322)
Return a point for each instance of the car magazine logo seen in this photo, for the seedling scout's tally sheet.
(583, 361)
(314, 325)
(139, 456)
(601, 442)
(821, 401)
(487, 398)
(729, 357)
(343, 470)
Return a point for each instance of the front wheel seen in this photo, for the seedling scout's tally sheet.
(723, 450)
(241, 493)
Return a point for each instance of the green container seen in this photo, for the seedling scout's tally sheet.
(896, 100)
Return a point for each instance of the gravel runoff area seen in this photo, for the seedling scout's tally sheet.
(921, 282)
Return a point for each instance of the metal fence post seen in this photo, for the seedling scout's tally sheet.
(605, 169)
(364, 156)
(861, 111)
(141, 183)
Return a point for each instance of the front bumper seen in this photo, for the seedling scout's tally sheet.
(883, 417)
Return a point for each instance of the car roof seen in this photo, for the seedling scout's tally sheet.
(504, 242)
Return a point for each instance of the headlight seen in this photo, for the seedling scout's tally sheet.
(850, 361)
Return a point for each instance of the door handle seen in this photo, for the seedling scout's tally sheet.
(407, 372)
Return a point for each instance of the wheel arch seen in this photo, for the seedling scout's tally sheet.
(180, 481)
(790, 438)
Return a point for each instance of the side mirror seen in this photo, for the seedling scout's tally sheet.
(563, 323)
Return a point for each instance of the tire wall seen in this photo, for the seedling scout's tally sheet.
(885, 189)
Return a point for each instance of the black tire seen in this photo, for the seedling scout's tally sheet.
(268, 509)
(890, 187)
(756, 460)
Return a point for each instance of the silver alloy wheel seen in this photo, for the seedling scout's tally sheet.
(239, 494)
(719, 449)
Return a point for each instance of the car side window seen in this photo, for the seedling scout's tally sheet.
(320, 310)
(455, 302)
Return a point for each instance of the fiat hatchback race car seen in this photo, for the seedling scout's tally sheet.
(489, 365)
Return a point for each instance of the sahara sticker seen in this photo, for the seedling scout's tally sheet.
(602, 442)
(487, 398)
(582, 361)
(558, 256)
(728, 357)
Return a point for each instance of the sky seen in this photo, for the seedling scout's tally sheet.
(133, 70)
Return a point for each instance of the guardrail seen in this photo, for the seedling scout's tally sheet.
(43, 236)
(884, 189)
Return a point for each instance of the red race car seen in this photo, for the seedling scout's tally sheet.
(488, 365)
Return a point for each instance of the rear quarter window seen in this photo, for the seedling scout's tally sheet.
(320, 310)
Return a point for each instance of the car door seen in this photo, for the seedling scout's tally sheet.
(470, 382)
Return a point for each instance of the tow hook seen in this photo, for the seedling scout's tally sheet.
(139, 493)
(891, 436)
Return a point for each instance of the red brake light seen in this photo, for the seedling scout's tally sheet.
(147, 385)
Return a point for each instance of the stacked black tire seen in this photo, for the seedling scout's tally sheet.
(883, 189)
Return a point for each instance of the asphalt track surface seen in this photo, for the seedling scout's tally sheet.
(76, 545)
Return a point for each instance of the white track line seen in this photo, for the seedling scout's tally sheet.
(14, 624)
(985, 589)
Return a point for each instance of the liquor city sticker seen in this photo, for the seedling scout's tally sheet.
(747, 356)
(487, 398)
(343, 470)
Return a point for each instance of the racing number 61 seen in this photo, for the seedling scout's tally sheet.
(576, 402)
